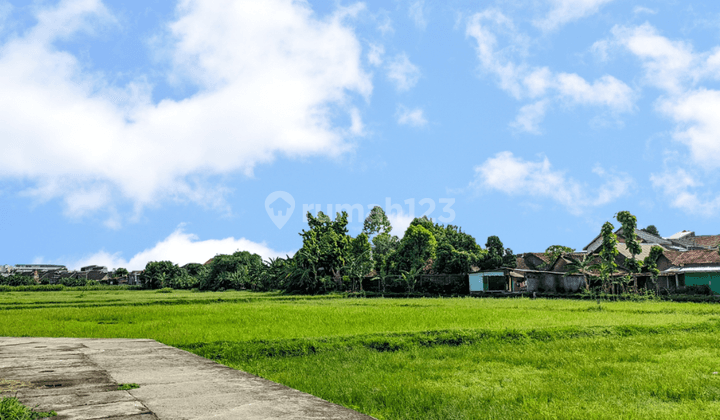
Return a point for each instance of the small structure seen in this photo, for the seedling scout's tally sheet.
(493, 281)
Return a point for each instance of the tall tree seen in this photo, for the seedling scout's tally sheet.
(415, 249)
(650, 262)
(376, 222)
(497, 256)
(608, 252)
(359, 261)
(629, 224)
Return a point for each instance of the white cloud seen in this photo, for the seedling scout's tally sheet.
(696, 114)
(181, 248)
(540, 84)
(641, 9)
(403, 73)
(565, 11)
(400, 221)
(417, 13)
(667, 64)
(518, 177)
(375, 55)
(674, 67)
(530, 117)
(678, 186)
(412, 117)
(272, 91)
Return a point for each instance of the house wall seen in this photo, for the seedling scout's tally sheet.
(551, 282)
(708, 279)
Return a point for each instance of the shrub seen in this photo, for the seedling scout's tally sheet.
(17, 280)
(12, 409)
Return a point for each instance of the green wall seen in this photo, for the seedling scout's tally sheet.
(697, 279)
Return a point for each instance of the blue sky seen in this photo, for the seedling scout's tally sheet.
(145, 130)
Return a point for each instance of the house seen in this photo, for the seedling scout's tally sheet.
(134, 278)
(693, 268)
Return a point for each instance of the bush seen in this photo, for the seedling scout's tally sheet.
(12, 409)
(17, 280)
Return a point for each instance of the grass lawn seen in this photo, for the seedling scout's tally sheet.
(460, 358)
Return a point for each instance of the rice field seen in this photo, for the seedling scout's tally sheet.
(439, 358)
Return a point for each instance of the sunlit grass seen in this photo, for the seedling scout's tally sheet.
(459, 358)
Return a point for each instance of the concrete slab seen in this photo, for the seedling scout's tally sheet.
(78, 378)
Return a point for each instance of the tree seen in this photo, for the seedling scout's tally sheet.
(157, 274)
(17, 280)
(376, 222)
(384, 245)
(414, 250)
(650, 262)
(629, 224)
(608, 252)
(121, 272)
(497, 256)
(652, 230)
(360, 261)
(583, 267)
(241, 270)
(554, 251)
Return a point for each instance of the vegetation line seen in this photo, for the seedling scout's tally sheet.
(242, 351)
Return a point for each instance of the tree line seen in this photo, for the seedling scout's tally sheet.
(332, 260)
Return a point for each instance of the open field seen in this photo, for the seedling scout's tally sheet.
(461, 358)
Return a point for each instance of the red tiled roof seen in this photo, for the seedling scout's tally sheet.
(707, 240)
(696, 256)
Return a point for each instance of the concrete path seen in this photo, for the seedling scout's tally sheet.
(78, 378)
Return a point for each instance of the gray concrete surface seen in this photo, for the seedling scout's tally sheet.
(78, 378)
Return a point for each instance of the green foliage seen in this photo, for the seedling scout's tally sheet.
(359, 261)
(554, 251)
(159, 274)
(195, 269)
(608, 252)
(583, 267)
(127, 387)
(17, 280)
(652, 230)
(497, 256)
(650, 262)
(12, 409)
(376, 222)
(415, 249)
(384, 245)
(629, 224)
(241, 270)
(121, 272)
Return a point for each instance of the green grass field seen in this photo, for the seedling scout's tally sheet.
(460, 358)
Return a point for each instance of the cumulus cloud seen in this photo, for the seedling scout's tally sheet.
(181, 248)
(530, 117)
(518, 177)
(565, 11)
(680, 188)
(412, 117)
(674, 67)
(400, 221)
(403, 73)
(272, 91)
(539, 84)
